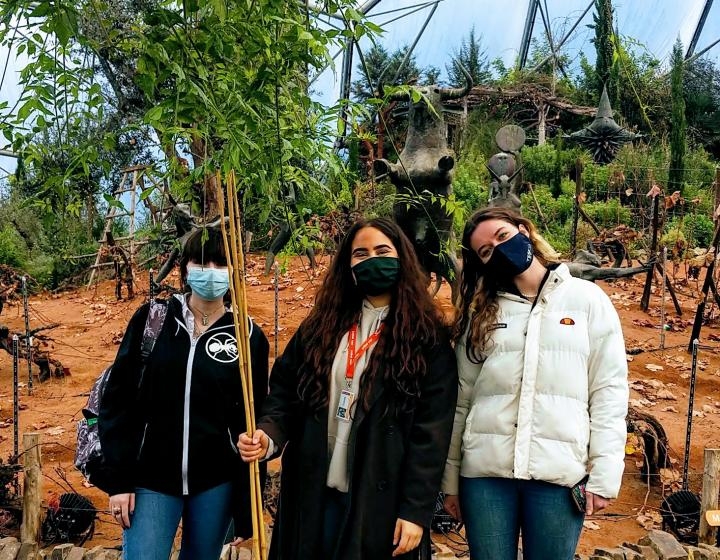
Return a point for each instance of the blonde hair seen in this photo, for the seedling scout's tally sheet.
(477, 308)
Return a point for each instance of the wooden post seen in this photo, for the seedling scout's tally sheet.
(32, 489)
(710, 492)
(576, 205)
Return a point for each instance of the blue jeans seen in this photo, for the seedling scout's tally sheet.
(336, 504)
(497, 510)
(205, 520)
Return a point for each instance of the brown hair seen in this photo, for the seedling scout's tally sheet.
(412, 325)
(202, 246)
(477, 303)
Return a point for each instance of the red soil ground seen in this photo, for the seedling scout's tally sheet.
(92, 323)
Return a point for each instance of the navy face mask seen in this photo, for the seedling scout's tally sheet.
(376, 275)
(511, 257)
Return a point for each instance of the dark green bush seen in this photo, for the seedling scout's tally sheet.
(12, 248)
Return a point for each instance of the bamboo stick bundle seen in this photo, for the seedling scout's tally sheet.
(232, 236)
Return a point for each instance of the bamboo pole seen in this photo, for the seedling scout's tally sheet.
(232, 238)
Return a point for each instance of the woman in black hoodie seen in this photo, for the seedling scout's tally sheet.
(168, 430)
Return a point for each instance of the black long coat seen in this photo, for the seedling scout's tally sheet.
(396, 461)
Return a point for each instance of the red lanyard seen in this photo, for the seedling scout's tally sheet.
(352, 354)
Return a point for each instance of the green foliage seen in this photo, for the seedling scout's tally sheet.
(542, 165)
(674, 240)
(471, 182)
(12, 249)
(701, 88)
(605, 70)
(698, 230)
(678, 123)
(379, 63)
(608, 214)
(473, 57)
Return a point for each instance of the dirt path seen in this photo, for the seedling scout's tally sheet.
(92, 323)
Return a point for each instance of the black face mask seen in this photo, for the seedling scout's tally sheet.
(376, 275)
(511, 257)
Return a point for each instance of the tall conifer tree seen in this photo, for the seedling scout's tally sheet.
(678, 124)
(605, 48)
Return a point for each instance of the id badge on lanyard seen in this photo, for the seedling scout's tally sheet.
(347, 396)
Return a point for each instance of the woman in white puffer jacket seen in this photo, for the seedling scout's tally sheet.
(542, 399)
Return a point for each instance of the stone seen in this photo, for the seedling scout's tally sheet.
(7, 540)
(10, 550)
(112, 554)
(712, 551)
(631, 554)
(611, 553)
(95, 553)
(76, 553)
(665, 545)
(696, 553)
(28, 551)
(61, 551)
(644, 551)
(226, 552)
(442, 552)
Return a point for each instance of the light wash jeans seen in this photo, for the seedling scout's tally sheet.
(205, 520)
(497, 510)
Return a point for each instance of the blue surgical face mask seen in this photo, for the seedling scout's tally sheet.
(208, 283)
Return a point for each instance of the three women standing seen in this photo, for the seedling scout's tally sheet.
(543, 395)
(361, 406)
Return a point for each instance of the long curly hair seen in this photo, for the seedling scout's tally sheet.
(413, 323)
(477, 302)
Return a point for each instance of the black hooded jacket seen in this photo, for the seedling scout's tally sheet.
(176, 431)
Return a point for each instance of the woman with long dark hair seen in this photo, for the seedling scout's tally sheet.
(361, 406)
(539, 434)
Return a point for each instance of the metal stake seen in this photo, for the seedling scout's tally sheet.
(152, 284)
(662, 304)
(28, 338)
(16, 400)
(691, 401)
(277, 307)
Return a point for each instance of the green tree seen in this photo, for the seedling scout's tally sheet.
(225, 83)
(678, 123)
(701, 87)
(605, 49)
(380, 63)
(473, 57)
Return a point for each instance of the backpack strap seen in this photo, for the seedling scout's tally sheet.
(153, 326)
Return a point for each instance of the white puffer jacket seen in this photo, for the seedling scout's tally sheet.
(549, 401)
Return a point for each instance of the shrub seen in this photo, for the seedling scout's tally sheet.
(12, 248)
